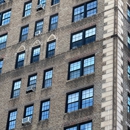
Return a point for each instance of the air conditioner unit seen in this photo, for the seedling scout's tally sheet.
(31, 88)
(40, 7)
(26, 121)
(38, 33)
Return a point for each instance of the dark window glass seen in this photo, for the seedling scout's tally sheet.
(82, 67)
(1, 65)
(32, 80)
(27, 9)
(84, 126)
(45, 106)
(42, 2)
(20, 59)
(29, 111)
(16, 88)
(12, 120)
(35, 54)
(48, 78)
(128, 104)
(3, 40)
(24, 33)
(86, 10)
(53, 22)
(128, 40)
(50, 49)
(128, 13)
(2, 1)
(39, 27)
(5, 17)
(128, 70)
(79, 99)
(55, 2)
(83, 37)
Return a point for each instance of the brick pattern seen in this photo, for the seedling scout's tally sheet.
(120, 67)
(107, 77)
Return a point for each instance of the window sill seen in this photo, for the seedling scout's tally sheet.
(45, 89)
(70, 80)
(26, 17)
(55, 5)
(12, 99)
(2, 26)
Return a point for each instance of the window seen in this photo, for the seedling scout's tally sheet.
(128, 40)
(35, 54)
(32, 80)
(12, 120)
(53, 22)
(55, 2)
(38, 27)
(42, 2)
(28, 111)
(48, 78)
(83, 126)
(85, 10)
(1, 65)
(83, 37)
(2, 1)
(16, 89)
(24, 33)
(5, 17)
(3, 40)
(20, 59)
(79, 99)
(27, 9)
(128, 70)
(44, 112)
(128, 13)
(50, 49)
(81, 67)
(128, 104)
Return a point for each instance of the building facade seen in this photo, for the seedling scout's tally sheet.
(64, 65)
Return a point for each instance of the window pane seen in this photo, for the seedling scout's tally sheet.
(24, 33)
(51, 49)
(55, 1)
(27, 9)
(89, 65)
(73, 102)
(17, 85)
(39, 26)
(1, 63)
(87, 126)
(6, 17)
(75, 66)
(92, 5)
(54, 21)
(45, 110)
(32, 80)
(3, 40)
(21, 57)
(29, 111)
(78, 13)
(90, 32)
(87, 98)
(36, 51)
(128, 103)
(48, 78)
(12, 120)
(128, 13)
(42, 1)
(72, 128)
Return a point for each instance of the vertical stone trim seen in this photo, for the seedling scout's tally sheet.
(107, 69)
(120, 67)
